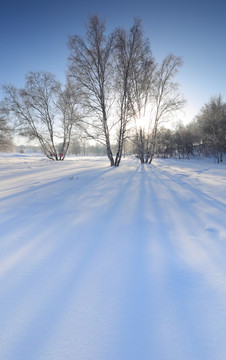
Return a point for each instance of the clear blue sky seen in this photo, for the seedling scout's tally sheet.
(33, 37)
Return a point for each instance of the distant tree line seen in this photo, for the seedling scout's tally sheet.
(113, 83)
(6, 136)
(204, 136)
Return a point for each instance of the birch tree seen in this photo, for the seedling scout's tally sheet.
(43, 112)
(163, 99)
(90, 67)
(166, 98)
(134, 66)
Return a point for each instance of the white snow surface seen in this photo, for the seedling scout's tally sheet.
(100, 263)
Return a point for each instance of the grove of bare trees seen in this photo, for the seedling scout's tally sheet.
(115, 94)
(112, 82)
(120, 83)
(113, 73)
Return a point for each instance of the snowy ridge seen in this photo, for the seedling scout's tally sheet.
(112, 263)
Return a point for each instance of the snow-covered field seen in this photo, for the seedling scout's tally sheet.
(100, 263)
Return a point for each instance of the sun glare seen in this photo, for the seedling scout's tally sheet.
(143, 122)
